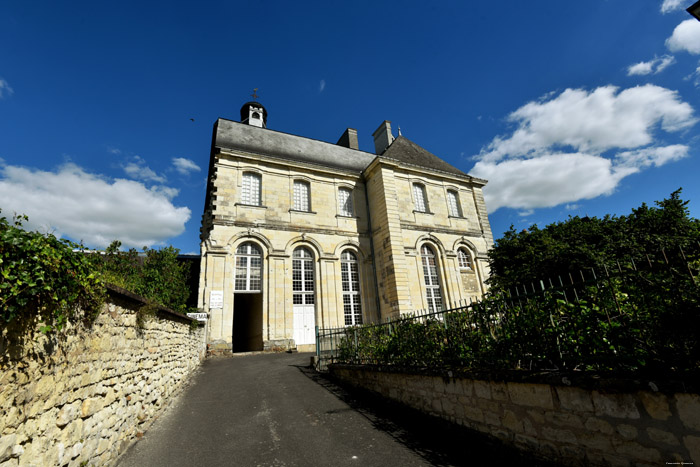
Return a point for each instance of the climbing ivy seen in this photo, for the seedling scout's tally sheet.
(49, 280)
(43, 277)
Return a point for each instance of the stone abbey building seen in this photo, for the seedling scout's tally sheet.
(299, 233)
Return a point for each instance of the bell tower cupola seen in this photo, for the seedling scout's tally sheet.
(253, 113)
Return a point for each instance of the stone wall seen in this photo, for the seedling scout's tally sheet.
(566, 424)
(81, 397)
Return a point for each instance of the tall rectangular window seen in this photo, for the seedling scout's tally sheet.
(350, 278)
(432, 282)
(301, 196)
(302, 277)
(345, 202)
(453, 204)
(419, 198)
(250, 192)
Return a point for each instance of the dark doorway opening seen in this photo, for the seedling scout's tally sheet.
(247, 322)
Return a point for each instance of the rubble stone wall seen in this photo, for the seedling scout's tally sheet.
(80, 397)
(569, 425)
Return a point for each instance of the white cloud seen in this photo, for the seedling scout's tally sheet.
(641, 68)
(5, 88)
(592, 121)
(113, 150)
(653, 156)
(185, 166)
(72, 202)
(545, 181)
(695, 76)
(138, 169)
(671, 5)
(579, 145)
(657, 65)
(686, 37)
(322, 85)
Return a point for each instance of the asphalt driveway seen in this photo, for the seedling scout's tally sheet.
(272, 410)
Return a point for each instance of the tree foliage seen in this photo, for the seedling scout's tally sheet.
(43, 274)
(156, 274)
(632, 304)
(586, 242)
(51, 280)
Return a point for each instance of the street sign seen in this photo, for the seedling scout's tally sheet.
(198, 316)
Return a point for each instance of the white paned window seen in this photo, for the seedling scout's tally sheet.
(301, 196)
(250, 193)
(345, 202)
(465, 261)
(419, 198)
(432, 282)
(453, 204)
(302, 277)
(350, 278)
(248, 268)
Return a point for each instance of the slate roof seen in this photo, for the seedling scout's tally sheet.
(406, 151)
(263, 141)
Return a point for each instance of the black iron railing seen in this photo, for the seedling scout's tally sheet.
(623, 316)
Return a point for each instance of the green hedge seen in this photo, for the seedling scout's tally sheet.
(633, 321)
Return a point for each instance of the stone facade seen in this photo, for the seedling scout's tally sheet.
(566, 424)
(82, 397)
(256, 179)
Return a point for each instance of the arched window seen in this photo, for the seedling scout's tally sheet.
(465, 259)
(350, 278)
(302, 196)
(453, 204)
(302, 277)
(345, 202)
(248, 268)
(420, 200)
(432, 282)
(250, 190)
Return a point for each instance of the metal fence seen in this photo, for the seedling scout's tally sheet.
(562, 321)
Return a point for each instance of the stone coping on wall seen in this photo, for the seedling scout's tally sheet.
(567, 424)
(668, 383)
(117, 291)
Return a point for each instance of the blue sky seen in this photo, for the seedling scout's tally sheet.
(106, 109)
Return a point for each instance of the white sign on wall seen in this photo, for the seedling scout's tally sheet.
(216, 299)
(198, 316)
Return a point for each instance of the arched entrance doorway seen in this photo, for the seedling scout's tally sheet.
(247, 302)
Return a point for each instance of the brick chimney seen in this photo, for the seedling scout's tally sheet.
(382, 137)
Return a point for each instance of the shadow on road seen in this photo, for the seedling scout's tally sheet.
(438, 441)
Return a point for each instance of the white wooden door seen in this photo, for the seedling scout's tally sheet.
(304, 324)
(303, 297)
